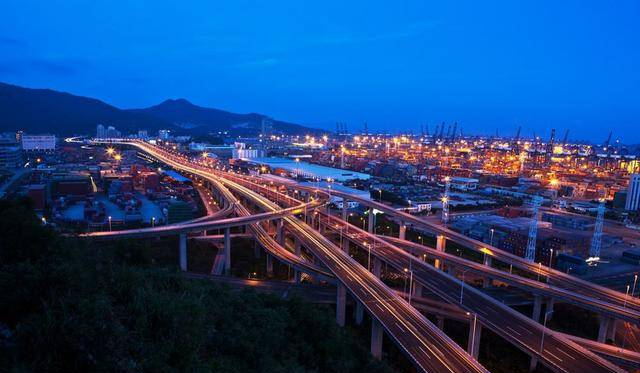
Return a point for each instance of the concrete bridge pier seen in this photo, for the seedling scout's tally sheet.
(417, 289)
(269, 265)
(535, 315)
(403, 231)
(227, 251)
(611, 333)
(537, 307)
(344, 245)
(377, 267)
(371, 223)
(359, 313)
(475, 332)
(297, 246)
(603, 328)
(256, 249)
(441, 242)
(440, 322)
(280, 231)
(377, 332)
(341, 304)
(183, 251)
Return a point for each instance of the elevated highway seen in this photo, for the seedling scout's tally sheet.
(428, 347)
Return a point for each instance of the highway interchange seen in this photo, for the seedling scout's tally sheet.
(426, 345)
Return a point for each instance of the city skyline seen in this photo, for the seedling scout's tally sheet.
(563, 66)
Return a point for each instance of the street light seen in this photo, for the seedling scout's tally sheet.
(544, 328)
(109, 223)
(473, 335)
(153, 221)
(462, 286)
(491, 243)
(635, 280)
(624, 339)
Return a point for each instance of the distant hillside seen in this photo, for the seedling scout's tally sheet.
(49, 111)
(198, 119)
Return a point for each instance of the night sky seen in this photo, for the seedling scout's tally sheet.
(397, 65)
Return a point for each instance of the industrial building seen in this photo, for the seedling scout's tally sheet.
(308, 170)
(633, 193)
(38, 143)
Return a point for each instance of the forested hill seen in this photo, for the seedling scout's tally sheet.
(70, 307)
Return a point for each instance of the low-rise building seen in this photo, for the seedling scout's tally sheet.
(38, 143)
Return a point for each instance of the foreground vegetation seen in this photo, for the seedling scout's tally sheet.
(67, 306)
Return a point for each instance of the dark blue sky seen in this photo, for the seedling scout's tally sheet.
(487, 65)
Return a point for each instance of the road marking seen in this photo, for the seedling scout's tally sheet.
(513, 330)
(572, 358)
(428, 355)
(547, 351)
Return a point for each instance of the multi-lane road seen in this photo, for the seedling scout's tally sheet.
(427, 346)
(557, 278)
(556, 351)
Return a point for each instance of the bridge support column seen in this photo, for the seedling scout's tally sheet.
(297, 246)
(377, 267)
(533, 364)
(403, 231)
(440, 322)
(377, 332)
(475, 331)
(269, 265)
(537, 306)
(344, 245)
(603, 328)
(227, 251)
(341, 304)
(417, 289)
(345, 208)
(183, 251)
(359, 313)
(611, 332)
(297, 250)
(371, 223)
(441, 242)
(256, 249)
(280, 231)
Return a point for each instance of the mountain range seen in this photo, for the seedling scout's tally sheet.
(49, 111)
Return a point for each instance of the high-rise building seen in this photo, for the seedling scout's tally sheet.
(633, 193)
(164, 134)
(100, 132)
(112, 132)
